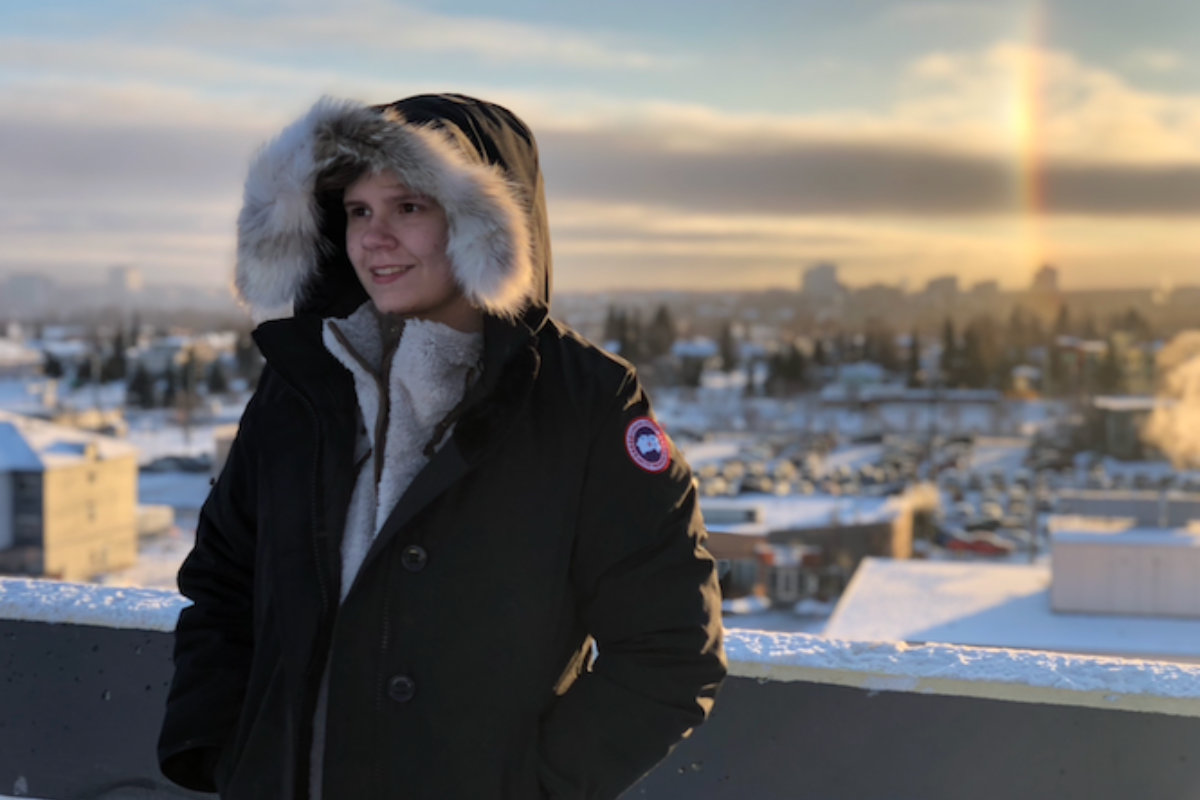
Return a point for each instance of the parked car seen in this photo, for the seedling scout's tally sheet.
(986, 544)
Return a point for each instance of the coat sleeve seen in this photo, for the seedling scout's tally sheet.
(648, 594)
(214, 636)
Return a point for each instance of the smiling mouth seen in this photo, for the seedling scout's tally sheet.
(389, 271)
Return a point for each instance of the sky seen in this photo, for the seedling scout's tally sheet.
(716, 146)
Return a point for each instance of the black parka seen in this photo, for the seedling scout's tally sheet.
(461, 661)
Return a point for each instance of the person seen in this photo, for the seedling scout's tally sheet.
(451, 553)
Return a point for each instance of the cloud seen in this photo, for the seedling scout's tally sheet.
(141, 161)
(1157, 61)
(401, 33)
(1078, 112)
(831, 177)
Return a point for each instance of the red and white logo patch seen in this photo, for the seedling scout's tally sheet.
(647, 445)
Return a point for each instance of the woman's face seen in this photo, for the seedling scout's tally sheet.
(396, 240)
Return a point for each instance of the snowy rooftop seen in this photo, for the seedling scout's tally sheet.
(798, 512)
(1127, 403)
(15, 354)
(1131, 537)
(992, 605)
(28, 444)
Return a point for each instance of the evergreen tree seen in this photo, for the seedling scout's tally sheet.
(218, 384)
(1109, 375)
(51, 366)
(660, 334)
(948, 364)
(89, 369)
(1054, 371)
(140, 389)
(728, 348)
(170, 387)
(786, 370)
(913, 367)
(632, 340)
(189, 375)
(1062, 325)
(246, 356)
(881, 347)
(820, 356)
(614, 323)
(113, 368)
(972, 364)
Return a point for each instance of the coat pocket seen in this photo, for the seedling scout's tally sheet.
(522, 779)
(258, 768)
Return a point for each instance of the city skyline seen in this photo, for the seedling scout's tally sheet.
(721, 150)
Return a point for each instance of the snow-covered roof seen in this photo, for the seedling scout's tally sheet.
(30, 445)
(798, 512)
(1127, 403)
(992, 605)
(15, 354)
(696, 347)
(1130, 537)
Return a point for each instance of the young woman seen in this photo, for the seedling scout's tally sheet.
(439, 498)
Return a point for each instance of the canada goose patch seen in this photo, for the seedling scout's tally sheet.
(647, 445)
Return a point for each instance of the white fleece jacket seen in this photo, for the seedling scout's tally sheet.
(429, 372)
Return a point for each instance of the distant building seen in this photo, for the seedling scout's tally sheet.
(1045, 281)
(778, 544)
(941, 291)
(1146, 508)
(1114, 426)
(27, 296)
(985, 291)
(125, 286)
(820, 281)
(1140, 571)
(68, 501)
(1045, 297)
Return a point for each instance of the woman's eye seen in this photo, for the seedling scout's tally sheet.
(410, 208)
(357, 211)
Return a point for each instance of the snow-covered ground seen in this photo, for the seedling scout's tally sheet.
(160, 556)
(1004, 455)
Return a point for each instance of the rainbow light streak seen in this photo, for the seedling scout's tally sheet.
(1028, 115)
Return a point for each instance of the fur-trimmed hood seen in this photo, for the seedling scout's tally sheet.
(477, 160)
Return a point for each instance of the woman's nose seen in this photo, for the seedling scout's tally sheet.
(377, 236)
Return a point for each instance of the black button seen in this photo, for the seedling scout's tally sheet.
(413, 558)
(401, 688)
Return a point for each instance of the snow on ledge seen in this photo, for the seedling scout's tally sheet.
(87, 604)
(1010, 675)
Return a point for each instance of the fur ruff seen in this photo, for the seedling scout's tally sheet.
(279, 241)
(428, 377)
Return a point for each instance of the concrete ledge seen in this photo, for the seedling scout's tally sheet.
(800, 716)
(1013, 675)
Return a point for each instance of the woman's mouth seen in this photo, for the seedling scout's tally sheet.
(388, 273)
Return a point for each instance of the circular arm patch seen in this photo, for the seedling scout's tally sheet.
(647, 445)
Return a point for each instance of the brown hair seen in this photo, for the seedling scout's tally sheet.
(339, 174)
